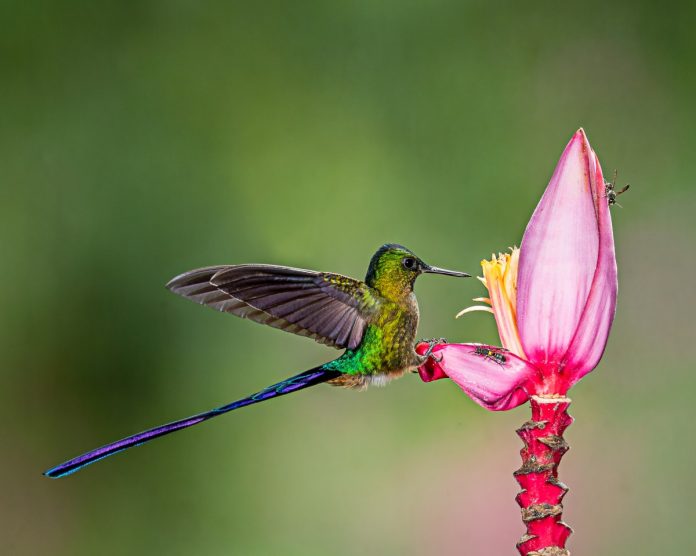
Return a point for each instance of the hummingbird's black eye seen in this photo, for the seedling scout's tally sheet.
(409, 263)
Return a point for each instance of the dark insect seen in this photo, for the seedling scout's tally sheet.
(610, 192)
(493, 354)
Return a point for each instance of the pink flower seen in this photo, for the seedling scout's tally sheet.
(553, 299)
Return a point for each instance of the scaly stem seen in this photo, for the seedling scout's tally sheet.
(542, 492)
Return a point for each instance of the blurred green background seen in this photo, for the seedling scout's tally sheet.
(142, 139)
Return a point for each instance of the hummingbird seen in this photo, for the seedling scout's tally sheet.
(375, 321)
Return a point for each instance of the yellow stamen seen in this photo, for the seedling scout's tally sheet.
(510, 278)
(500, 278)
(472, 309)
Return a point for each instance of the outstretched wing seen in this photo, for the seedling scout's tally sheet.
(330, 308)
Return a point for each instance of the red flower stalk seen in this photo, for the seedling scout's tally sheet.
(542, 492)
(554, 301)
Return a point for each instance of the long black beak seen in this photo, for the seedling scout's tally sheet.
(436, 270)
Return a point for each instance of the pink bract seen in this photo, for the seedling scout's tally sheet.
(566, 288)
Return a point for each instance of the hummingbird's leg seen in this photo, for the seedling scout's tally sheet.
(429, 352)
(433, 341)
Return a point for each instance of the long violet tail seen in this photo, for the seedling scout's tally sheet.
(292, 384)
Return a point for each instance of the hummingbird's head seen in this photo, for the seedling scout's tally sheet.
(393, 270)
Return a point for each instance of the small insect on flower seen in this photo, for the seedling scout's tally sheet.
(491, 353)
(610, 192)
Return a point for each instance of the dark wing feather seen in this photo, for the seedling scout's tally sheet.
(330, 308)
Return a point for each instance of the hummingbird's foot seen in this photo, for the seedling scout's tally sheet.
(433, 341)
(429, 352)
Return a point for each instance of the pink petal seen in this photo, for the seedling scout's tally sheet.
(558, 258)
(589, 342)
(495, 385)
